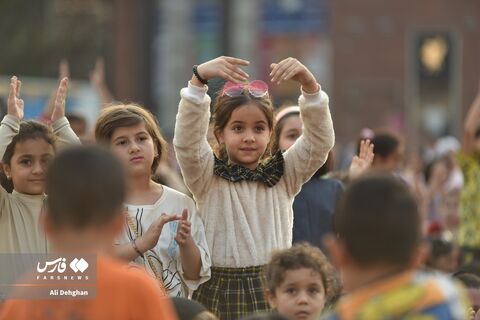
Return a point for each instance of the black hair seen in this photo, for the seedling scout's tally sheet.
(85, 186)
(385, 142)
(378, 220)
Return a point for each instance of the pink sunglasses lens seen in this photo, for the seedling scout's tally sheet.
(232, 89)
(258, 88)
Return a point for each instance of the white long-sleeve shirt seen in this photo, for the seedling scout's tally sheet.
(245, 221)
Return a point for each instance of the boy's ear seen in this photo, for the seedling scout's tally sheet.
(271, 299)
(337, 250)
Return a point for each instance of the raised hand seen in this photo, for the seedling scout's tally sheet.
(223, 67)
(184, 229)
(60, 97)
(291, 68)
(63, 69)
(150, 238)
(15, 104)
(97, 75)
(363, 161)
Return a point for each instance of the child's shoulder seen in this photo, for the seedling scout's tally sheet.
(170, 193)
(172, 199)
(442, 282)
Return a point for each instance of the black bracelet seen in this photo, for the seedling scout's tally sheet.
(195, 72)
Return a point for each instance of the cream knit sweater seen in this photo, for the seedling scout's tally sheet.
(245, 221)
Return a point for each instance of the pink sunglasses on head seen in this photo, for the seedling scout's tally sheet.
(256, 88)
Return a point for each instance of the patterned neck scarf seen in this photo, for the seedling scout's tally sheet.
(269, 172)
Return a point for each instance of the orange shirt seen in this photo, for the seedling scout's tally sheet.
(122, 293)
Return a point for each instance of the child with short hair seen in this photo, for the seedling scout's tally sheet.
(244, 194)
(378, 249)
(299, 282)
(26, 148)
(163, 231)
(86, 188)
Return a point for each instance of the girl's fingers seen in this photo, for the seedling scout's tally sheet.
(237, 71)
(280, 66)
(185, 234)
(167, 218)
(182, 235)
(13, 87)
(275, 71)
(371, 155)
(362, 142)
(185, 214)
(62, 90)
(237, 61)
(291, 72)
(363, 150)
(186, 229)
(19, 86)
(226, 75)
(184, 226)
(63, 69)
(230, 69)
(61, 96)
(272, 66)
(366, 148)
(279, 69)
(185, 223)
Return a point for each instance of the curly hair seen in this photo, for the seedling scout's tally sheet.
(299, 256)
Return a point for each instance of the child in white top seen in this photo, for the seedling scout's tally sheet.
(163, 231)
(26, 148)
(243, 195)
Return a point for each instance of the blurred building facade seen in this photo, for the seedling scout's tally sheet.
(411, 65)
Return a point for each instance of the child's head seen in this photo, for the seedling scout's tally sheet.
(86, 189)
(188, 309)
(288, 128)
(377, 225)
(243, 123)
(133, 135)
(26, 158)
(389, 149)
(299, 281)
